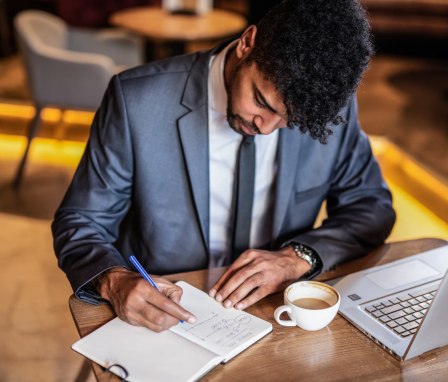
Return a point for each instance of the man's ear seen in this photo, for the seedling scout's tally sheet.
(246, 42)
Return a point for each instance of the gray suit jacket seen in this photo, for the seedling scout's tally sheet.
(142, 186)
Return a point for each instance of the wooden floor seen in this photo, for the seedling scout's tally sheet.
(403, 99)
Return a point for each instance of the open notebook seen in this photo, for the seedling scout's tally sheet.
(185, 352)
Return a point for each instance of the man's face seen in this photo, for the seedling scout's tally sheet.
(254, 105)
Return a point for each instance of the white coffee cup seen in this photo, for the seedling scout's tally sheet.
(311, 305)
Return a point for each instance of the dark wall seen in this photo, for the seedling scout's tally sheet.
(258, 8)
(8, 10)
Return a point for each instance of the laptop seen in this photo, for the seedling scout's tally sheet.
(402, 305)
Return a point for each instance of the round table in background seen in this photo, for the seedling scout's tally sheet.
(160, 26)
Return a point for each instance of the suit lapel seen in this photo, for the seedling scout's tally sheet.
(194, 138)
(288, 151)
(193, 132)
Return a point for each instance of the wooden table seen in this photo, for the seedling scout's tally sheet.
(339, 352)
(160, 26)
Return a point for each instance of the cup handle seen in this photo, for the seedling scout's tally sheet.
(279, 311)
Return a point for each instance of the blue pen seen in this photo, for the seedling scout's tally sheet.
(142, 271)
(144, 274)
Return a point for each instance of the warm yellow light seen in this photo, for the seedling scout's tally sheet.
(17, 111)
(414, 220)
(43, 151)
(78, 117)
(418, 181)
(48, 114)
(420, 199)
(51, 115)
(11, 146)
(397, 157)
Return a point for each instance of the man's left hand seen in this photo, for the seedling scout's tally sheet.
(256, 274)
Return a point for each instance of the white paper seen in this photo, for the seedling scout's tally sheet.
(224, 331)
(146, 355)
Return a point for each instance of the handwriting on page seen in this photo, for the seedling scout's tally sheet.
(222, 331)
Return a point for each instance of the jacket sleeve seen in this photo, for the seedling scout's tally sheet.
(359, 203)
(86, 224)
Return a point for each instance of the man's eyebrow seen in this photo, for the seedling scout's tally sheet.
(260, 96)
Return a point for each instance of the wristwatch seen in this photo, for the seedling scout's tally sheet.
(310, 256)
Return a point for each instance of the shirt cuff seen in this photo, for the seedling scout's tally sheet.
(89, 294)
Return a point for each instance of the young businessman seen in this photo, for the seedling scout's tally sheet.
(162, 169)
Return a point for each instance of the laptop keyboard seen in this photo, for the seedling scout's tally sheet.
(403, 313)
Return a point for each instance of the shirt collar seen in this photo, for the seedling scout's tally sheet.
(217, 87)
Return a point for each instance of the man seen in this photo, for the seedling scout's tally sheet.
(158, 178)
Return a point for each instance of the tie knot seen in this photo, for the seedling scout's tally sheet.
(248, 139)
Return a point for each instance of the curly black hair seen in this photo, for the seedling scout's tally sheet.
(314, 51)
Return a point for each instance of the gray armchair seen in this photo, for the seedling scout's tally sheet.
(69, 68)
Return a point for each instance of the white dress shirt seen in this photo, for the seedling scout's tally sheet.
(224, 143)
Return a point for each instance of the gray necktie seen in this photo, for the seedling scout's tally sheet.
(244, 196)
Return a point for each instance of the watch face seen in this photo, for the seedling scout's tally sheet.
(309, 256)
(303, 255)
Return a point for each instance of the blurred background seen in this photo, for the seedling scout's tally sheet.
(77, 45)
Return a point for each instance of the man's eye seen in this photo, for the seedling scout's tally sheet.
(259, 103)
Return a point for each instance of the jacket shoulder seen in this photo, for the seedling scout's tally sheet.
(178, 64)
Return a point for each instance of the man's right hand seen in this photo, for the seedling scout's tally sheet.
(137, 302)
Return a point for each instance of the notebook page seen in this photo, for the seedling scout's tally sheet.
(146, 355)
(223, 331)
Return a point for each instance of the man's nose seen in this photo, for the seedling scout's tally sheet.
(268, 124)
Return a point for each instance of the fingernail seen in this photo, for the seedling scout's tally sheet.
(218, 297)
(228, 303)
(239, 306)
(212, 292)
(191, 320)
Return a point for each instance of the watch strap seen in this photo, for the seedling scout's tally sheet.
(310, 256)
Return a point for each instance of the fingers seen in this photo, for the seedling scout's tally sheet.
(241, 279)
(162, 301)
(248, 292)
(170, 290)
(137, 302)
(151, 317)
(254, 275)
(252, 298)
(243, 260)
